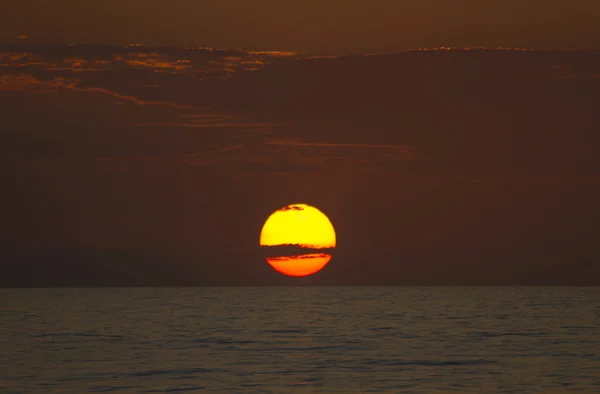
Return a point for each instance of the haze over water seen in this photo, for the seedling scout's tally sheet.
(301, 339)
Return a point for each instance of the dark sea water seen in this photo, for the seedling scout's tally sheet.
(301, 340)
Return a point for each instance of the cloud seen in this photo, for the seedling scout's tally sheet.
(300, 257)
(401, 152)
(20, 82)
(207, 62)
(292, 207)
(437, 111)
(294, 249)
(200, 125)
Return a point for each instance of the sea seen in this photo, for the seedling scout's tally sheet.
(301, 340)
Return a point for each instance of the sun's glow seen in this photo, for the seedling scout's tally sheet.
(298, 224)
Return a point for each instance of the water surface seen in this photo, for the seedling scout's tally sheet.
(301, 340)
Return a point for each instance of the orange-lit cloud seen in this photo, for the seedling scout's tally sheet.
(467, 49)
(195, 62)
(8, 82)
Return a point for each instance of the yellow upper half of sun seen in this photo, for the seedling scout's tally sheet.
(299, 224)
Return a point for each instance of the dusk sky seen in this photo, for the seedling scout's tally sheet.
(147, 165)
(333, 26)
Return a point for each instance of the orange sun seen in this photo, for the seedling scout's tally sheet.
(300, 227)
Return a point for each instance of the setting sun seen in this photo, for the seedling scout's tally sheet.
(299, 226)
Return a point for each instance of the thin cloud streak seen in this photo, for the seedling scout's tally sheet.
(339, 145)
(207, 125)
(8, 82)
(401, 152)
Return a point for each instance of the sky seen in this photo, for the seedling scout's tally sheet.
(333, 26)
(142, 165)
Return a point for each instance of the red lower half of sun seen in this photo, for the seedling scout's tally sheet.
(303, 265)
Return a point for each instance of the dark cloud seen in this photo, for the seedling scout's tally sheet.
(292, 208)
(300, 257)
(293, 250)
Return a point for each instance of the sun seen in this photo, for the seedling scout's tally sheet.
(299, 228)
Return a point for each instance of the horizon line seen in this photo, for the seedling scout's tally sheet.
(289, 52)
